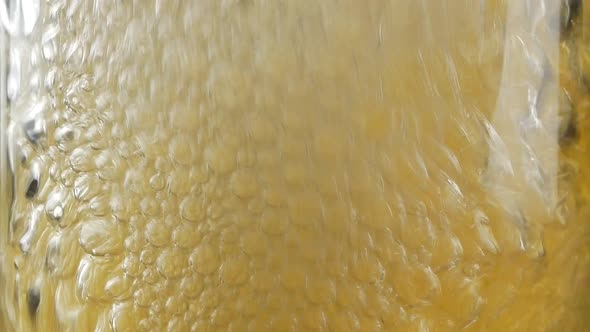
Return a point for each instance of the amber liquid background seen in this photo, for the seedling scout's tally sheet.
(280, 165)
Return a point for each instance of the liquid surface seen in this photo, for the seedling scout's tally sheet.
(251, 165)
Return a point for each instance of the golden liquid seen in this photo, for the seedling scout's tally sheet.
(279, 166)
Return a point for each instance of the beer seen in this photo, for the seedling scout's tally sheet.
(254, 165)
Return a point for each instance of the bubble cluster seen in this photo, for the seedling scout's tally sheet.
(254, 166)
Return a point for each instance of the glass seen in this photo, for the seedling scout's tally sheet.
(254, 165)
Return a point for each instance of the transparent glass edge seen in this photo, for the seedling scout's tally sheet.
(5, 171)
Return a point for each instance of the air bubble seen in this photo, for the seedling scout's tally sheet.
(157, 182)
(177, 324)
(205, 259)
(145, 296)
(191, 287)
(221, 317)
(157, 233)
(262, 130)
(314, 318)
(13, 85)
(244, 184)
(367, 268)
(180, 151)
(56, 202)
(234, 270)
(66, 137)
(49, 50)
(81, 160)
(62, 254)
(150, 207)
(304, 209)
(273, 222)
(91, 278)
(171, 263)
(49, 81)
(31, 230)
(175, 305)
(33, 300)
(192, 209)
(34, 129)
(263, 281)
(86, 187)
(99, 205)
(253, 243)
(110, 166)
(319, 290)
(293, 277)
(179, 181)
(186, 236)
(99, 237)
(118, 288)
(123, 318)
(246, 157)
(34, 179)
(132, 266)
(221, 159)
(68, 176)
(148, 255)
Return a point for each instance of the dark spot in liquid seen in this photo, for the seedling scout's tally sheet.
(33, 300)
(32, 131)
(32, 188)
(570, 12)
(570, 134)
(568, 131)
